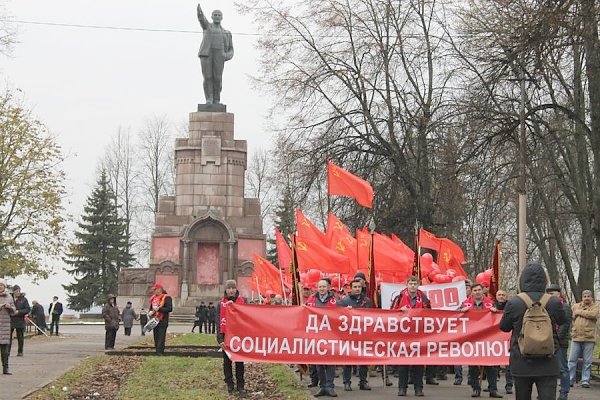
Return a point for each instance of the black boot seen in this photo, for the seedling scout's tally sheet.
(4, 351)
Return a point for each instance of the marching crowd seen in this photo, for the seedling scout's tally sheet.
(573, 327)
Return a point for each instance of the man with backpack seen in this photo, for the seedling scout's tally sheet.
(531, 317)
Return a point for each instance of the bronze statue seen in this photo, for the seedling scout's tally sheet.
(216, 48)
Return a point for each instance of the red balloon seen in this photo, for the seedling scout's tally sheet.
(313, 275)
(458, 278)
(444, 278)
(451, 272)
(426, 259)
(335, 281)
(426, 270)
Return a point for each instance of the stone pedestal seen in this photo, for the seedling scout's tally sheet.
(208, 213)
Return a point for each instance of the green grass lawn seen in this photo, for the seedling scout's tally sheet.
(177, 377)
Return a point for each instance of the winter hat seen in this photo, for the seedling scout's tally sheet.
(586, 292)
(230, 283)
(553, 287)
(157, 286)
(2, 282)
(360, 275)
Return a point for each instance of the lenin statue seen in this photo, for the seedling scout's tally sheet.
(216, 48)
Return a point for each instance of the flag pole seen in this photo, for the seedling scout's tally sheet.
(282, 285)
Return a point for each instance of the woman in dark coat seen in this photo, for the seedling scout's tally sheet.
(110, 313)
(38, 317)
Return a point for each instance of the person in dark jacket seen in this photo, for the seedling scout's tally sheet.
(211, 317)
(55, 310)
(110, 313)
(543, 371)
(128, 316)
(564, 337)
(38, 316)
(17, 320)
(161, 305)
(143, 319)
(356, 299)
(231, 295)
(500, 303)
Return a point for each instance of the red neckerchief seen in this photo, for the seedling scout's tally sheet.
(312, 301)
(470, 302)
(405, 300)
(223, 311)
(158, 300)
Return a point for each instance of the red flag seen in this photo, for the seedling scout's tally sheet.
(451, 256)
(429, 240)
(308, 230)
(341, 240)
(495, 281)
(372, 288)
(267, 275)
(296, 284)
(284, 254)
(313, 255)
(343, 183)
(387, 257)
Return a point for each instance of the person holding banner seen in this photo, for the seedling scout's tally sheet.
(326, 373)
(411, 297)
(356, 299)
(478, 301)
(231, 295)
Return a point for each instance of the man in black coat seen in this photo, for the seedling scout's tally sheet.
(356, 299)
(17, 320)
(54, 311)
(543, 371)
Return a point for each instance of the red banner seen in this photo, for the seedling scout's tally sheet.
(344, 336)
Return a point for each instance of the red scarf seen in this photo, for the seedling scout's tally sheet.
(157, 300)
(470, 302)
(223, 311)
(405, 300)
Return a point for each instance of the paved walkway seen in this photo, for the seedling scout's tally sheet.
(47, 358)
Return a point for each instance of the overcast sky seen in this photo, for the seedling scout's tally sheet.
(85, 82)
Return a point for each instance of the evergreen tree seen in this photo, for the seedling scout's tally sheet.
(284, 221)
(99, 250)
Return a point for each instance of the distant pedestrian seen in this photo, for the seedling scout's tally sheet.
(583, 334)
(128, 316)
(161, 305)
(7, 308)
(110, 313)
(38, 316)
(143, 319)
(55, 310)
(527, 370)
(17, 320)
(212, 313)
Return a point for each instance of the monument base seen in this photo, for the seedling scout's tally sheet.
(212, 107)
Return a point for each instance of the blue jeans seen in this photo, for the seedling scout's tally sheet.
(326, 376)
(564, 372)
(458, 375)
(509, 378)
(362, 374)
(586, 351)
